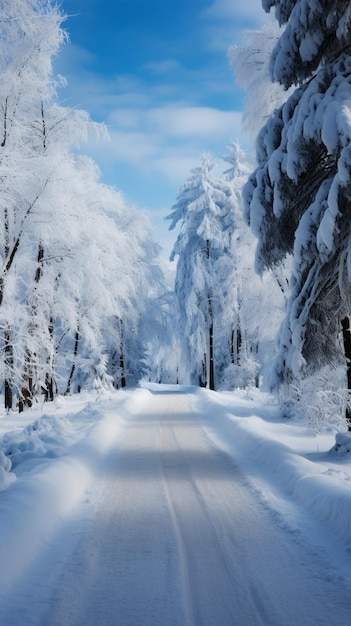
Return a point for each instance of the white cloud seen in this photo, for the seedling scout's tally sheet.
(165, 115)
(193, 121)
(125, 118)
(133, 147)
(248, 11)
(224, 21)
(169, 140)
(163, 67)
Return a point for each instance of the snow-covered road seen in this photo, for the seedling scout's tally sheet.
(171, 533)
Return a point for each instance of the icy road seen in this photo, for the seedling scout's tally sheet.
(172, 533)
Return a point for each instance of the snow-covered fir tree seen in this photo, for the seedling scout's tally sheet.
(202, 208)
(237, 347)
(252, 307)
(250, 64)
(297, 201)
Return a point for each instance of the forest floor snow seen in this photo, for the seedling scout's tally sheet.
(171, 506)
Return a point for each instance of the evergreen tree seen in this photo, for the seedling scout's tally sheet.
(236, 341)
(250, 64)
(298, 199)
(202, 208)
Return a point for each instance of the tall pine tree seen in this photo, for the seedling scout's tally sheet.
(298, 199)
(202, 207)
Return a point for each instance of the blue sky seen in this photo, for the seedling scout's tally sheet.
(156, 72)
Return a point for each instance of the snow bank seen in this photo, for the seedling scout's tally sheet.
(54, 460)
(342, 444)
(48, 462)
(283, 456)
(48, 436)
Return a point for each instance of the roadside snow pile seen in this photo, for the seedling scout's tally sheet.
(49, 436)
(6, 478)
(283, 457)
(342, 444)
(55, 458)
(28, 439)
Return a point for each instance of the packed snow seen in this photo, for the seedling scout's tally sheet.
(172, 505)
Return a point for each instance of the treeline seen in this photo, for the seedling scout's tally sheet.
(78, 265)
(262, 291)
(296, 201)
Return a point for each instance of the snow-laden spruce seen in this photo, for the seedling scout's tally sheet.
(297, 201)
(250, 64)
(316, 32)
(202, 208)
(222, 302)
(251, 308)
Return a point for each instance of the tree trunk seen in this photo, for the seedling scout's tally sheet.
(203, 375)
(346, 334)
(232, 347)
(49, 389)
(121, 355)
(8, 370)
(27, 389)
(210, 342)
(8, 395)
(121, 365)
(235, 345)
(8, 358)
(75, 352)
(211, 372)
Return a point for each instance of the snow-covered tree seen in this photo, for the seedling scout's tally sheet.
(251, 312)
(30, 35)
(250, 64)
(76, 261)
(298, 199)
(202, 208)
(234, 349)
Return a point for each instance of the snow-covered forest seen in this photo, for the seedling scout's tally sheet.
(84, 302)
(80, 277)
(164, 440)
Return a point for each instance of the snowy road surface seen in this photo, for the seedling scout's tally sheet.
(171, 533)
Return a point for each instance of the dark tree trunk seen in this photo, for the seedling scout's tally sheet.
(75, 352)
(121, 365)
(232, 347)
(211, 372)
(8, 371)
(346, 334)
(235, 345)
(203, 375)
(8, 395)
(8, 348)
(210, 343)
(49, 389)
(121, 355)
(27, 390)
(239, 341)
(210, 329)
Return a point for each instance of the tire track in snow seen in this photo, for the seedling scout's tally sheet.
(239, 567)
(184, 565)
(207, 580)
(173, 535)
